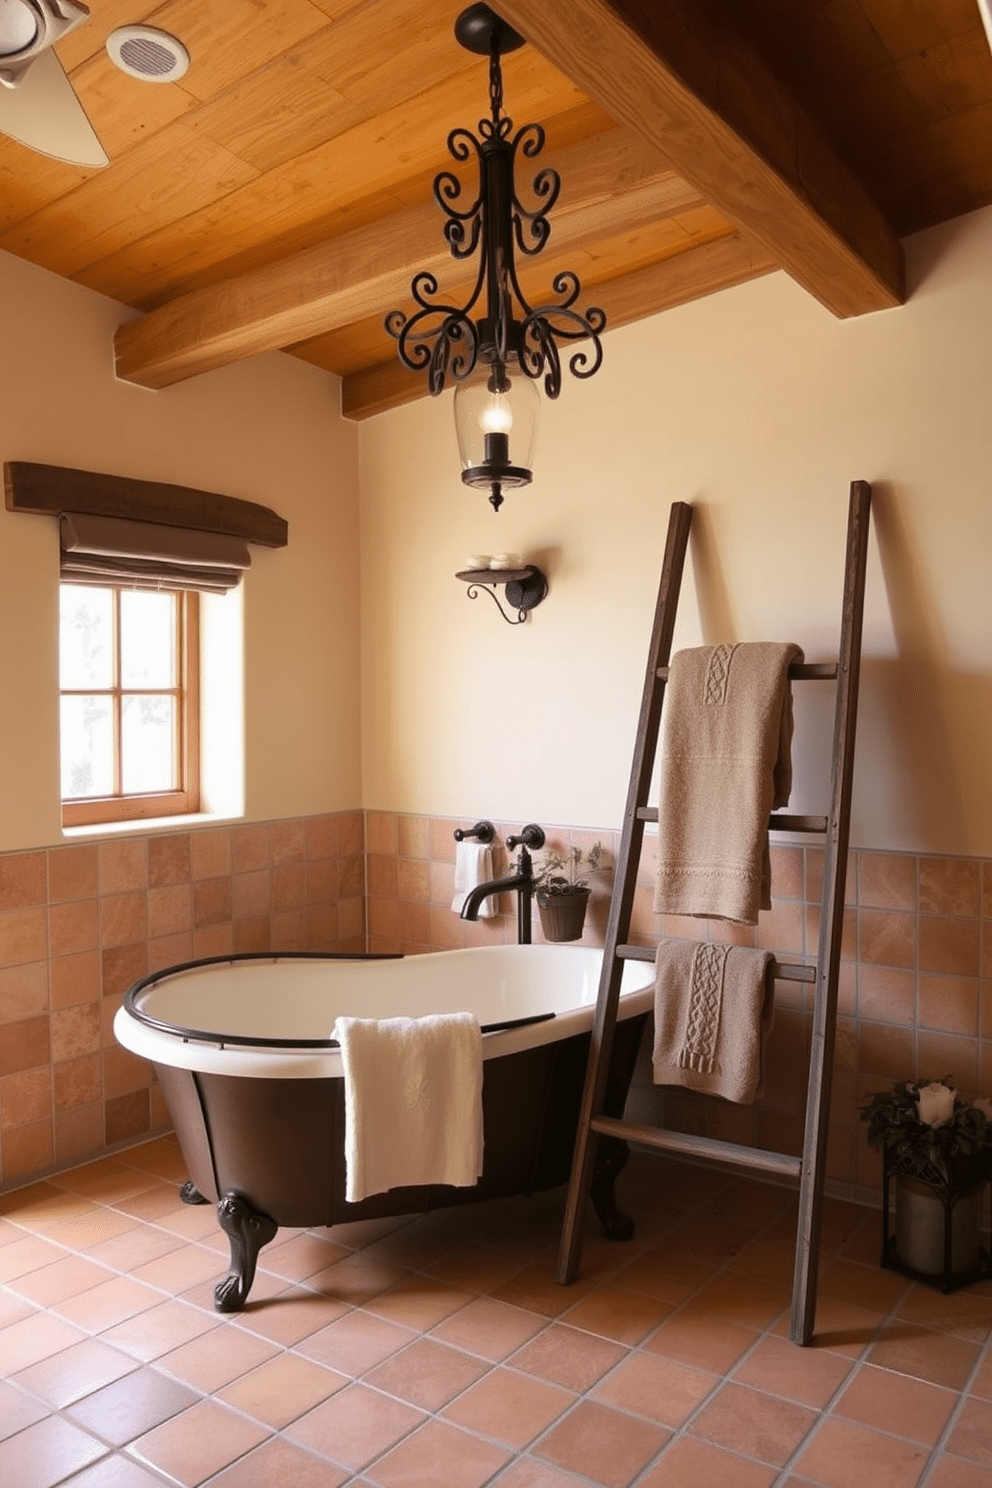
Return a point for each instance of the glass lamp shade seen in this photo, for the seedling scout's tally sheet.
(496, 424)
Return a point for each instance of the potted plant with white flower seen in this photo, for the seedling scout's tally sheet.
(563, 889)
(938, 1148)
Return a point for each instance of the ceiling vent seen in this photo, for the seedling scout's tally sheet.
(147, 53)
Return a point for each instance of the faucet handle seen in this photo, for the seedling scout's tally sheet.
(531, 836)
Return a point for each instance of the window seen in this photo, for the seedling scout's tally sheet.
(129, 702)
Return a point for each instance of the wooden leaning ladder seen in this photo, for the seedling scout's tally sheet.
(833, 829)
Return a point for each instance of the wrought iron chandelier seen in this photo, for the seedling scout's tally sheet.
(496, 346)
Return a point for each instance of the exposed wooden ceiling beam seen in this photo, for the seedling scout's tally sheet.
(612, 183)
(723, 120)
(676, 280)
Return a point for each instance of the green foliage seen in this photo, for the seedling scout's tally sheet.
(950, 1155)
(565, 872)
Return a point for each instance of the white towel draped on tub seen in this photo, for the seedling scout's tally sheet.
(413, 1101)
(474, 866)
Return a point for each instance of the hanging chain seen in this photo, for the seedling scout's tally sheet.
(495, 84)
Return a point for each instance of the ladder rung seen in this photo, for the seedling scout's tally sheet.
(804, 671)
(779, 821)
(687, 1144)
(782, 971)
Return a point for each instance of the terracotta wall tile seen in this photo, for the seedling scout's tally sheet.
(322, 837)
(78, 1082)
(73, 926)
(170, 950)
(321, 880)
(351, 878)
(888, 938)
(25, 1045)
(413, 924)
(169, 859)
(251, 894)
(442, 829)
(413, 837)
(122, 865)
(321, 922)
(950, 945)
(887, 994)
(288, 929)
(948, 1003)
(788, 877)
(23, 936)
(76, 1031)
(79, 1132)
(23, 991)
(940, 1054)
(213, 940)
(381, 832)
(351, 833)
(887, 880)
(950, 886)
(442, 882)
(121, 967)
(26, 1096)
(127, 1116)
(210, 853)
(72, 873)
(170, 909)
(123, 1071)
(253, 934)
(413, 880)
(884, 1052)
(251, 848)
(987, 890)
(212, 902)
(289, 842)
(23, 880)
(123, 919)
(75, 979)
(289, 886)
(380, 875)
(351, 919)
(26, 1150)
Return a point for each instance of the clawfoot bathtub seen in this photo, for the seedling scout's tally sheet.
(241, 1046)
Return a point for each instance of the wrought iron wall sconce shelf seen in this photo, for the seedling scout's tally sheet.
(525, 588)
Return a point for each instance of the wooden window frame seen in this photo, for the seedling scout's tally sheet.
(99, 810)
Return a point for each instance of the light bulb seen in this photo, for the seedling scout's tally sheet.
(497, 415)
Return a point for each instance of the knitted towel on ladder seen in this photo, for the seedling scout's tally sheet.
(713, 1012)
(725, 764)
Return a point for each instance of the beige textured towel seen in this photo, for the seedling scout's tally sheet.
(725, 764)
(713, 1012)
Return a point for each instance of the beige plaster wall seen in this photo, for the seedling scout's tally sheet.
(759, 407)
(268, 430)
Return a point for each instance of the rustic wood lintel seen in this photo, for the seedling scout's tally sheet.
(53, 489)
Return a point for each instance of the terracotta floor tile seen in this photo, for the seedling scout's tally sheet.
(109, 1303)
(279, 1464)
(972, 1434)
(536, 1289)
(695, 1464)
(88, 1230)
(151, 1204)
(509, 1407)
(282, 1390)
(981, 1382)
(355, 1426)
(613, 1312)
(66, 1377)
(45, 1209)
(898, 1404)
(193, 1222)
(768, 1259)
(840, 1326)
(418, 1302)
(965, 1313)
(116, 1471)
(178, 1270)
(198, 1443)
(301, 1256)
(754, 1305)
(439, 1454)
(107, 1181)
(427, 1374)
(659, 1388)
(702, 1339)
(489, 1328)
(355, 1342)
(14, 1309)
(356, 1279)
(753, 1423)
(864, 1286)
(210, 1360)
(289, 1317)
(133, 1247)
(954, 1472)
(18, 1410)
(131, 1406)
(565, 1356)
(603, 1444)
(476, 1267)
(809, 1375)
(842, 1455)
(27, 1254)
(35, 1338)
(525, 1472)
(64, 1278)
(936, 1357)
(47, 1453)
(158, 1330)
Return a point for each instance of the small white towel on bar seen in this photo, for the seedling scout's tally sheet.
(413, 1101)
(474, 866)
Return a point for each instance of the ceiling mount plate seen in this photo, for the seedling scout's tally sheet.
(479, 28)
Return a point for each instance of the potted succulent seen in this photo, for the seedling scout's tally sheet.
(938, 1147)
(563, 889)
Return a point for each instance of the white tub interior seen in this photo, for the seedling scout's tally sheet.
(291, 999)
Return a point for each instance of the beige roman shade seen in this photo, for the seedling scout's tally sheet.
(148, 555)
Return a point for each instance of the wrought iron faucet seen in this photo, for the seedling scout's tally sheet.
(521, 882)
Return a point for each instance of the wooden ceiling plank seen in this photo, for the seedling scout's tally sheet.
(675, 281)
(734, 131)
(615, 184)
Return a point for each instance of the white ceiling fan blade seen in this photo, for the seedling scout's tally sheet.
(43, 112)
